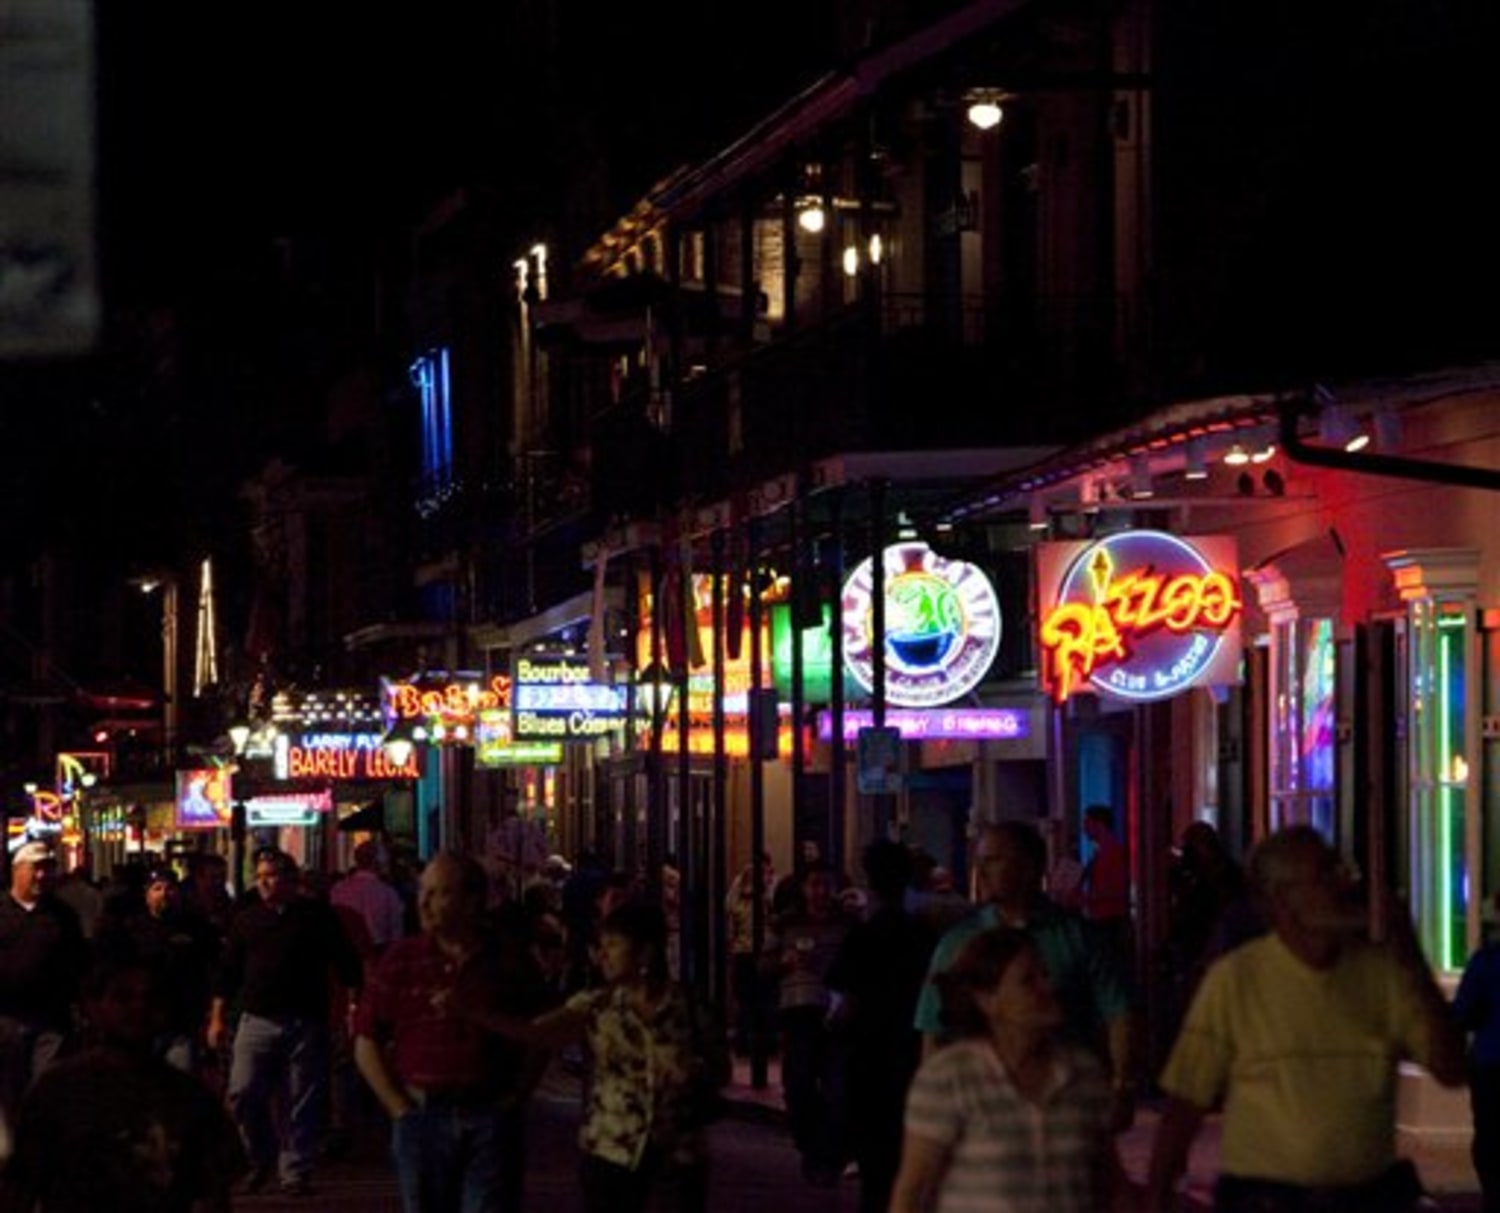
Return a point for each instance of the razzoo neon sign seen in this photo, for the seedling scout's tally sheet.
(942, 626)
(1140, 615)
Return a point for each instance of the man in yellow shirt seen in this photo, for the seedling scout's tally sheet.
(1298, 1035)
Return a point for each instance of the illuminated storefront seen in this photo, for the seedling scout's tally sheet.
(1444, 858)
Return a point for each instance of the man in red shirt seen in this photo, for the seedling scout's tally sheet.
(456, 1094)
(1106, 880)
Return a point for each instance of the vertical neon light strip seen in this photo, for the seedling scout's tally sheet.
(206, 651)
(421, 377)
(445, 416)
(432, 377)
(1445, 813)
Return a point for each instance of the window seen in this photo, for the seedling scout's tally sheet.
(1303, 734)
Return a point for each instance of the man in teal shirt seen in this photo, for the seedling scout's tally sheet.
(1084, 967)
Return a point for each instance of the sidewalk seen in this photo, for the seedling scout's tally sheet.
(1443, 1162)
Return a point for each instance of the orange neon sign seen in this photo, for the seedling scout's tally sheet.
(1142, 634)
(453, 702)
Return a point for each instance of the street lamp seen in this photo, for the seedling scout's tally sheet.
(398, 743)
(655, 689)
(167, 584)
(239, 736)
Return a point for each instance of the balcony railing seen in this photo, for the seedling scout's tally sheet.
(920, 372)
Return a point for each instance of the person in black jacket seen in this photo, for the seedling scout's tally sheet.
(42, 959)
(182, 952)
(277, 962)
(879, 971)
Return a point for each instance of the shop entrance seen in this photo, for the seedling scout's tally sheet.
(939, 806)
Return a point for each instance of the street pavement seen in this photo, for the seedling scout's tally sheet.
(754, 1167)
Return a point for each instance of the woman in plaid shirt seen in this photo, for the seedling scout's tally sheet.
(1008, 1118)
(656, 1059)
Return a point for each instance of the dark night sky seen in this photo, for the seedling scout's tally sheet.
(224, 127)
(234, 123)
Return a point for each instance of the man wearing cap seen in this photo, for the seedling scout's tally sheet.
(42, 957)
(181, 951)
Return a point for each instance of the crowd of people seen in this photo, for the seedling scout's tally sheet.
(957, 1054)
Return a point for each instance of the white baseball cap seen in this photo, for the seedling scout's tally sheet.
(33, 852)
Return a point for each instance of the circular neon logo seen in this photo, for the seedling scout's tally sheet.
(942, 626)
(1140, 615)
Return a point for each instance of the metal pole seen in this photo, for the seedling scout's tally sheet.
(837, 774)
(880, 802)
(237, 847)
(801, 833)
(759, 1061)
(170, 678)
(719, 883)
(655, 796)
(689, 879)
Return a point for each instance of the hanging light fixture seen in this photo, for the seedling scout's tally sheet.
(811, 217)
(984, 111)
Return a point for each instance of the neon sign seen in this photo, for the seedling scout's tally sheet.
(334, 756)
(1140, 615)
(939, 724)
(495, 745)
(446, 707)
(556, 699)
(288, 808)
(204, 799)
(942, 626)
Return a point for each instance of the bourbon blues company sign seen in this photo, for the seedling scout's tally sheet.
(1139, 615)
(942, 626)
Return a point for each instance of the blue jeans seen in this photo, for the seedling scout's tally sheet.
(460, 1158)
(290, 1055)
(26, 1050)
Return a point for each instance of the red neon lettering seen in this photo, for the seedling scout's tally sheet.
(346, 764)
(1078, 637)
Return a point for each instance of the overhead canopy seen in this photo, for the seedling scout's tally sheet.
(368, 820)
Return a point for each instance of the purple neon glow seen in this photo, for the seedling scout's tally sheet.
(936, 724)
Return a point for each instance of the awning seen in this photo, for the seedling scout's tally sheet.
(368, 820)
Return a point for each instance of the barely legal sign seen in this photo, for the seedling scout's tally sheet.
(1139, 615)
(942, 626)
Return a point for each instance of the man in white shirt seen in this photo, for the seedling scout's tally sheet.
(364, 892)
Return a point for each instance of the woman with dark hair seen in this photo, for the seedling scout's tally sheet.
(1009, 1116)
(656, 1058)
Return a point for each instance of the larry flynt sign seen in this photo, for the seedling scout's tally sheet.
(335, 756)
(942, 626)
(1139, 615)
(557, 699)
